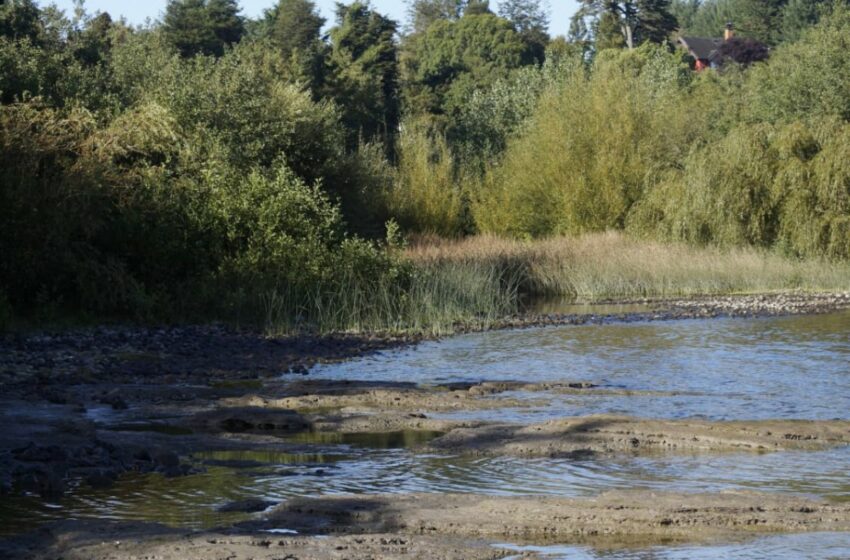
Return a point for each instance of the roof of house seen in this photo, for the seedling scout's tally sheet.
(702, 48)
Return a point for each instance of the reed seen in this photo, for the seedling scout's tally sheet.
(614, 265)
(477, 281)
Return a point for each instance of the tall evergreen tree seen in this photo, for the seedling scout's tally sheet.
(297, 25)
(226, 23)
(760, 19)
(530, 19)
(655, 21)
(637, 20)
(364, 66)
(296, 30)
(202, 26)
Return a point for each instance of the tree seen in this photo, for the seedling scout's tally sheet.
(799, 15)
(422, 13)
(364, 71)
(638, 21)
(202, 26)
(760, 19)
(655, 22)
(297, 25)
(452, 59)
(685, 11)
(93, 42)
(744, 50)
(531, 20)
(226, 23)
(19, 19)
(296, 30)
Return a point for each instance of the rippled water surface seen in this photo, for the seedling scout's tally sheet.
(726, 369)
(796, 367)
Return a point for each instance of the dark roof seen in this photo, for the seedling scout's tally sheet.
(702, 48)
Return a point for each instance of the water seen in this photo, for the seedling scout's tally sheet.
(812, 546)
(795, 367)
(725, 369)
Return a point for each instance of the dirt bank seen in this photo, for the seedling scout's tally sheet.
(104, 541)
(619, 434)
(618, 516)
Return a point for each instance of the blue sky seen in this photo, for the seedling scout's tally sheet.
(136, 11)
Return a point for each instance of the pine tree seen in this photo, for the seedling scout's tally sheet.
(199, 27)
(297, 25)
(685, 11)
(226, 23)
(531, 20)
(364, 66)
(422, 13)
(655, 22)
(759, 19)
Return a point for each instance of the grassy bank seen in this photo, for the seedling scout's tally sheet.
(478, 280)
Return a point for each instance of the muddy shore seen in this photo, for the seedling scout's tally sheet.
(94, 404)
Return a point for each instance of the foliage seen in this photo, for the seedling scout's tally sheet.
(627, 24)
(206, 27)
(451, 59)
(743, 50)
(425, 196)
(365, 72)
(808, 78)
(530, 19)
(583, 159)
(296, 30)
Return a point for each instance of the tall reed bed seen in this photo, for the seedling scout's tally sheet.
(614, 265)
(433, 298)
(479, 280)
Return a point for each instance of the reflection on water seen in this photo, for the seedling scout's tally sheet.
(192, 501)
(376, 440)
(789, 367)
(811, 546)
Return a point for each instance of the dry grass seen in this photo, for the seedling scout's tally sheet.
(610, 265)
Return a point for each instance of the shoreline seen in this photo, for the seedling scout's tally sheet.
(71, 399)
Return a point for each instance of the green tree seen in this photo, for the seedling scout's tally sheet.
(297, 31)
(799, 15)
(227, 25)
(202, 26)
(422, 13)
(452, 59)
(655, 21)
(19, 19)
(712, 17)
(685, 11)
(93, 43)
(364, 71)
(760, 19)
(531, 20)
(637, 21)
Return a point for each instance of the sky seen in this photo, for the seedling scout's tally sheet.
(136, 11)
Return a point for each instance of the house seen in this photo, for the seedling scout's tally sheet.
(706, 51)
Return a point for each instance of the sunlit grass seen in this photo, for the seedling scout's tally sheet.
(477, 281)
